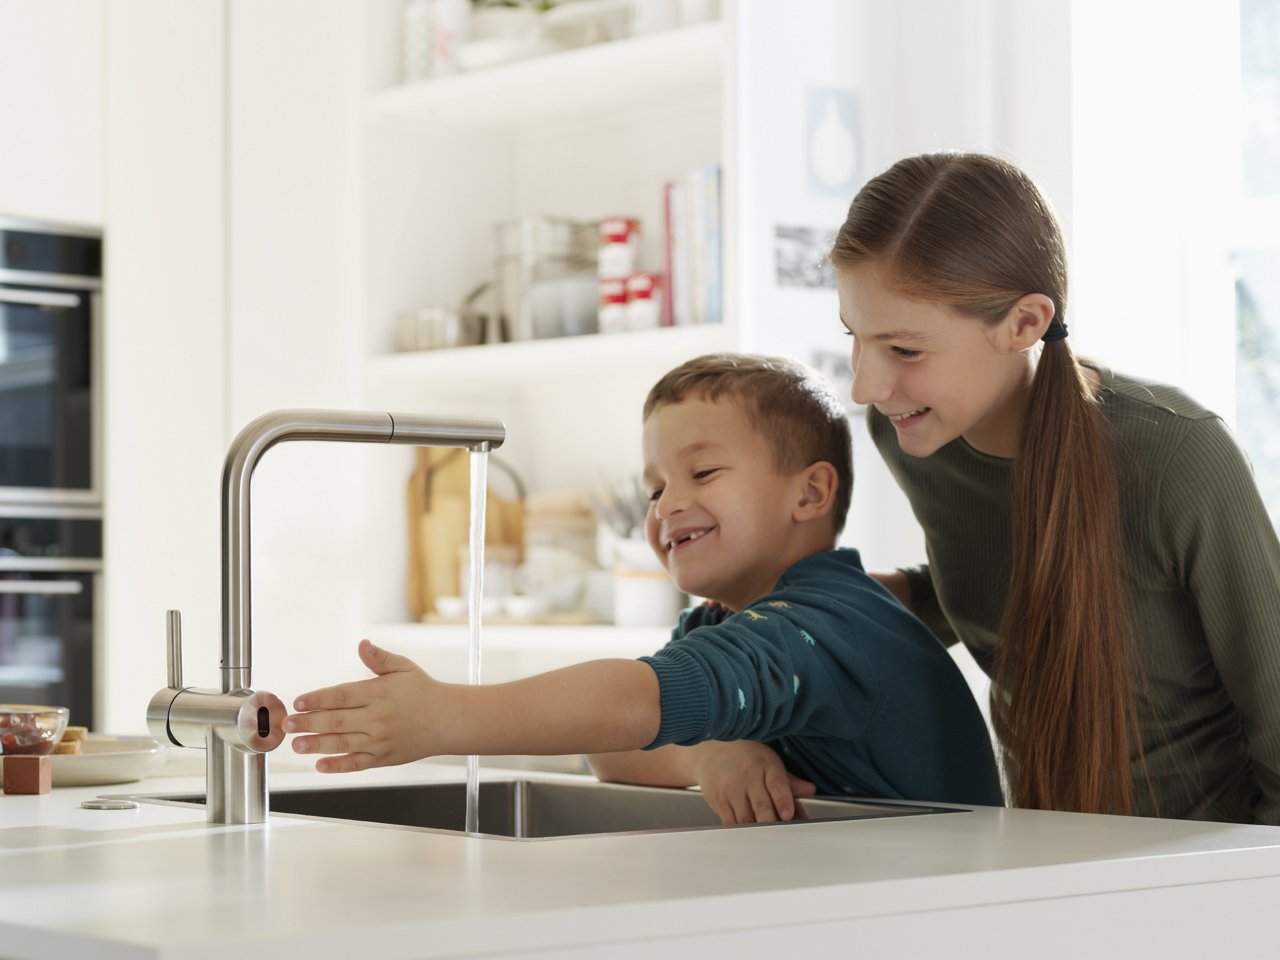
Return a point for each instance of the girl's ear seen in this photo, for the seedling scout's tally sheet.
(1027, 321)
(818, 483)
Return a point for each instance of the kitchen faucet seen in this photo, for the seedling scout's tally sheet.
(236, 725)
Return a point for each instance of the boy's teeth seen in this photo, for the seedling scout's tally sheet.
(686, 539)
(909, 413)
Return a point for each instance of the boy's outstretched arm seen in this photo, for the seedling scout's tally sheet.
(403, 714)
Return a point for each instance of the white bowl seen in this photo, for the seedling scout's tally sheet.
(526, 608)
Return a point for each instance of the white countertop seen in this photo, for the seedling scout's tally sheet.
(159, 882)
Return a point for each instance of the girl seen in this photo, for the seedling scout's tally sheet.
(1096, 542)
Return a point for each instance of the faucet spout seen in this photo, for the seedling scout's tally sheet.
(236, 725)
(259, 436)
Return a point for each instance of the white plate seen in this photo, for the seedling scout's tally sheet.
(106, 759)
(492, 51)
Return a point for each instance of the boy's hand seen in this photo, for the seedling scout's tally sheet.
(370, 723)
(746, 782)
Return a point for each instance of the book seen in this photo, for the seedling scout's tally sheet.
(668, 318)
(679, 242)
(713, 257)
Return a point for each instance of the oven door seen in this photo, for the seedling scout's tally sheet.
(46, 637)
(49, 396)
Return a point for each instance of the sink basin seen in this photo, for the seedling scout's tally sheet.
(544, 809)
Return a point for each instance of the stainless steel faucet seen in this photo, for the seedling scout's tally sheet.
(236, 725)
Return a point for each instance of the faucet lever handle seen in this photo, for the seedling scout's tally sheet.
(173, 647)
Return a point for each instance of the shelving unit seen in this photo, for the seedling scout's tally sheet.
(584, 133)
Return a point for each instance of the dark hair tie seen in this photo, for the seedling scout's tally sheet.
(1057, 331)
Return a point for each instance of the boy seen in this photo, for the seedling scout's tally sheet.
(749, 467)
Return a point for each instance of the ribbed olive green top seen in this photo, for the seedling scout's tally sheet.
(1204, 570)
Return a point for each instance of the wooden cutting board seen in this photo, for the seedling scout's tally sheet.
(439, 516)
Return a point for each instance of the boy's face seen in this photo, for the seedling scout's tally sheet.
(720, 513)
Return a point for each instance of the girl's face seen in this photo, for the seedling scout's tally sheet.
(720, 512)
(934, 372)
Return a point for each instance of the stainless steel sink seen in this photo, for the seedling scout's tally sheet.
(544, 809)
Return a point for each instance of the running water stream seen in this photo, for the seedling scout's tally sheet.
(475, 594)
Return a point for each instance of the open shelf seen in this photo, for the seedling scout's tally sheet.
(532, 362)
(607, 78)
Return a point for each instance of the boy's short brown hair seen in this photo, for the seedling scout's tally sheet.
(792, 407)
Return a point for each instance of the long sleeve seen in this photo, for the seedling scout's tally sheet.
(756, 675)
(1225, 551)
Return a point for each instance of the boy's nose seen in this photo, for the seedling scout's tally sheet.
(669, 504)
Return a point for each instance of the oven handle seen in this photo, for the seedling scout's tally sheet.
(41, 586)
(40, 298)
(48, 565)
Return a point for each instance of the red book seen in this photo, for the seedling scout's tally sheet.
(668, 315)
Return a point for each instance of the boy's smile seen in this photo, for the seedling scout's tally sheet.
(681, 538)
(720, 513)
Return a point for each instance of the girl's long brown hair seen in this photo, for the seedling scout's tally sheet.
(973, 232)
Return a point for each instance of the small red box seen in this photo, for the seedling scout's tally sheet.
(28, 774)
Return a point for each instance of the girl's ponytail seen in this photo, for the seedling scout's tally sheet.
(1062, 697)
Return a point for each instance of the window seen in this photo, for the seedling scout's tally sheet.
(1256, 247)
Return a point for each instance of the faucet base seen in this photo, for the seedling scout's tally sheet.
(236, 782)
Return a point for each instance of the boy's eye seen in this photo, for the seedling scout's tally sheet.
(654, 495)
(904, 353)
(703, 474)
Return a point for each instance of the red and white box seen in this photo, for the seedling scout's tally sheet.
(613, 305)
(644, 301)
(619, 253)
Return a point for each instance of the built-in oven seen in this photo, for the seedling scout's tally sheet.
(50, 565)
(50, 394)
(50, 463)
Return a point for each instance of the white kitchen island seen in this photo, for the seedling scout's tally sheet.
(159, 882)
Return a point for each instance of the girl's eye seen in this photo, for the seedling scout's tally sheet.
(904, 353)
(703, 474)
(654, 495)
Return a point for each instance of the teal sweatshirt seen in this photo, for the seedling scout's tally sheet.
(830, 670)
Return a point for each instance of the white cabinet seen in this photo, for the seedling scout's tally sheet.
(51, 72)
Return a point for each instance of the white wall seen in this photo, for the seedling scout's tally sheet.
(1155, 184)
(233, 288)
(165, 343)
(296, 88)
(989, 75)
(51, 112)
